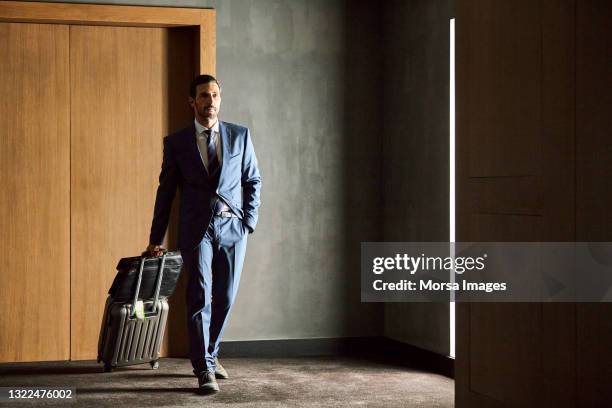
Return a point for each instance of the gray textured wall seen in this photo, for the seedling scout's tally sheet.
(416, 164)
(284, 65)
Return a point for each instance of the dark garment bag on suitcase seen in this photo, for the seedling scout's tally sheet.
(124, 338)
(124, 284)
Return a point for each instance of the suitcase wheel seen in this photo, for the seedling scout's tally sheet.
(154, 365)
(108, 368)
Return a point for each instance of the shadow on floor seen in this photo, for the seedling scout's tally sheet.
(146, 390)
(27, 371)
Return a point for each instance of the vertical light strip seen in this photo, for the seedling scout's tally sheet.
(451, 192)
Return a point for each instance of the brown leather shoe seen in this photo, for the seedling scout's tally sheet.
(207, 383)
(220, 371)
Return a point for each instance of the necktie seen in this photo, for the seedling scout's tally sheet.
(211, 150)
(213, 165)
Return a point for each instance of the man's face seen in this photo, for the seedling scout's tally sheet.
(207, 102)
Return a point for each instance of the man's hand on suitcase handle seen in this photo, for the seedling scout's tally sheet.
(155, 250)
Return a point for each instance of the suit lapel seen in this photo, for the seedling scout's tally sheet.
(225, 133)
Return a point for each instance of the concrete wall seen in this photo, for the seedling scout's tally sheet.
(415, 158)
(284, 68)
(362, 153)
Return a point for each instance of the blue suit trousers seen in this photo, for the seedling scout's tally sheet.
(214, 268)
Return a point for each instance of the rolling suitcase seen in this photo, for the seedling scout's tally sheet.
(126, 336)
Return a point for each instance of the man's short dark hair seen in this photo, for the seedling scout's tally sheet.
(199, 80)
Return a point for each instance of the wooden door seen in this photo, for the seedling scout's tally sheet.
(534, 164)
(120, 92)
(35, 195)
(594, 189)
(515, 182)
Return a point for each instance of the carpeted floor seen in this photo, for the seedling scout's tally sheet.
(253, 382)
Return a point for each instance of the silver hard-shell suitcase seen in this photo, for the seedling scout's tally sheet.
(125, 339)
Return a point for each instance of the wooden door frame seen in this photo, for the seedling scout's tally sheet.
(202, 20)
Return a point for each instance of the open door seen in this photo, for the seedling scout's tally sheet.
(532, 149)
(127, 92)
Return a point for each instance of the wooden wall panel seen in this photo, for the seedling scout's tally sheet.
(118, 117)
(515, 182)
(499, 144)
(504, 56)
(208, 43)
(594, 187)
(34, 198)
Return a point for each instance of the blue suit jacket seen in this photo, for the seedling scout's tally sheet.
(239, 184)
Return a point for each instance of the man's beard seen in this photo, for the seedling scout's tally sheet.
(205, 113)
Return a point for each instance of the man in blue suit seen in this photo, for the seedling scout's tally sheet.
(213, 165)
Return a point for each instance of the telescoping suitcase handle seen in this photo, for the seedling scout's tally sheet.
(160, 275)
